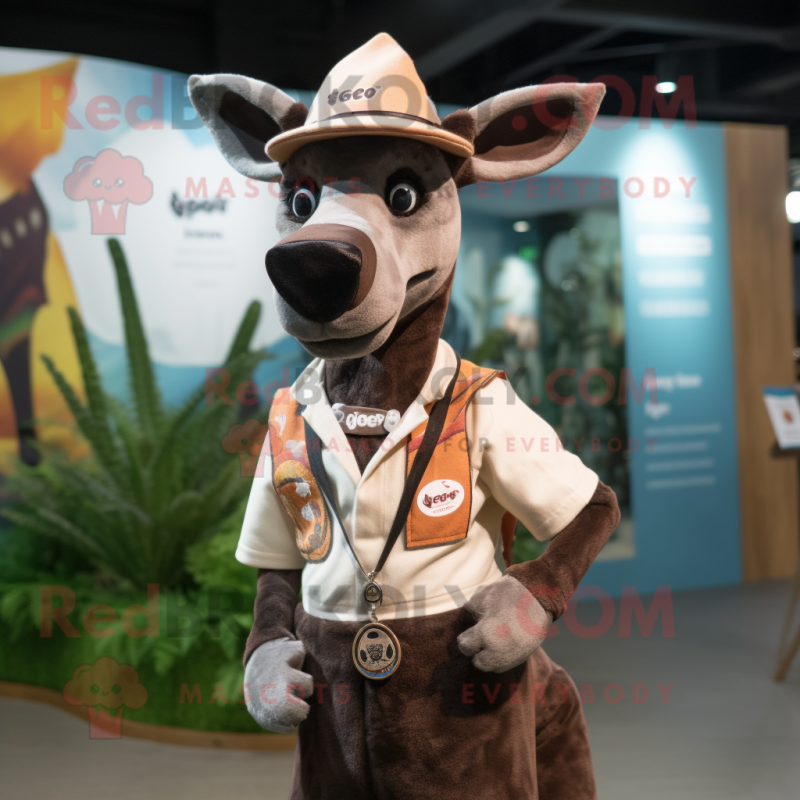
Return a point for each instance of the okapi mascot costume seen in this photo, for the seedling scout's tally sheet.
(394, 470)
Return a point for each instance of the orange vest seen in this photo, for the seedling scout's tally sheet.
(441, 511)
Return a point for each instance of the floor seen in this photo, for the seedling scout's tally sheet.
(725, 731)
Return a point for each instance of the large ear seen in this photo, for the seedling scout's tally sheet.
(242, 115)
(525, 131)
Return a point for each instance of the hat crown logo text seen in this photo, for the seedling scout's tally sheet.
(359, 93)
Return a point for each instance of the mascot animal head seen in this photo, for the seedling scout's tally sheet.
(370, 213)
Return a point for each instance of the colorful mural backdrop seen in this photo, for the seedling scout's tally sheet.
(615, 260)
(89, 149)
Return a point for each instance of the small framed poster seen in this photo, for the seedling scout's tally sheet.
(783, 408)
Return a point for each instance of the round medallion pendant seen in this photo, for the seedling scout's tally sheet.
(376, 651)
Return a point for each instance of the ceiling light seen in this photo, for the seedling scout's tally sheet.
(793, 207)
(523, 226)
(666, 87)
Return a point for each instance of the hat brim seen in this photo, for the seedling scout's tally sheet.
(282, 146)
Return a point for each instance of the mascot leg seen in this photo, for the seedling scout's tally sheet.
(438, 727)
(563, 757)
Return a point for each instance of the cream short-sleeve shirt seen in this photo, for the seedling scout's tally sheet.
(518, 465)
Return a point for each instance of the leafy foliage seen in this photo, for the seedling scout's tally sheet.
(157, 480)
(219, 610)
(211, 561)
(526, 546)
(212, 564)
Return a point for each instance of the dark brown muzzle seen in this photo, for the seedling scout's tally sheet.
(321, 271)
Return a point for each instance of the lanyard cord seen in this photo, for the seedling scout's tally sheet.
(424, 454)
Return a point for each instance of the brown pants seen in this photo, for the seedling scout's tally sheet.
(438, 728)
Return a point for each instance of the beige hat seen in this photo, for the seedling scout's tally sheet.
(375, 91)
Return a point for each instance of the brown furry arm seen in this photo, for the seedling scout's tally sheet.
(554, 576)
(276, 599)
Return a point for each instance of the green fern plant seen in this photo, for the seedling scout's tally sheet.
(157, 479)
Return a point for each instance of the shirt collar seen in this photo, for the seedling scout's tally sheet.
(440, 375)
(309, 391)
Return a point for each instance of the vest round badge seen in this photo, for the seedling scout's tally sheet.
(440, 498)
(376, 651)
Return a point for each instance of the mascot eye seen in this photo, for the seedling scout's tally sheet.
(304, 203)
(403, 198)
(97, 182)
(119, 183)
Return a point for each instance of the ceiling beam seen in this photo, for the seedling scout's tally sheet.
(731, 110)
(681, 26)
(481, 36)
(637, 50)
(769, 82)
(559, 55)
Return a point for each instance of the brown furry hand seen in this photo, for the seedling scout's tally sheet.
(511, 625)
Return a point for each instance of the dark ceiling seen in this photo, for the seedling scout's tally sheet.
(744, 56)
